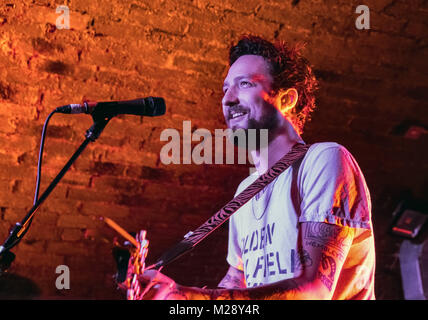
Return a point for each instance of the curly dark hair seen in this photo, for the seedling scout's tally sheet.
(288, 68)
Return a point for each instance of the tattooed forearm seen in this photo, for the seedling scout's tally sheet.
(235, 287)
(230, 282)
(233, 279)
(175, 295)
(286, 289)
(213, 294)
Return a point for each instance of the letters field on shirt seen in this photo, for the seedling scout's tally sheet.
(268, 263)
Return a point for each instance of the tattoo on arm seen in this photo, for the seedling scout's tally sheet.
(302, 260)
(329, 238)
(287, 290)
(233, 286)
(174, 294)
(325, 247)
(332, 243)
(234, 279)
(230, 282)
(328, 266)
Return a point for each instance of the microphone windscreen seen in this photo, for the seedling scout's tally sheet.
(155, 105)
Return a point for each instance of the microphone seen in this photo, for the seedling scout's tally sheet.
(149, 106)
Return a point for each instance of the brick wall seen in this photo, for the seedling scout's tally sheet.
(371, 81)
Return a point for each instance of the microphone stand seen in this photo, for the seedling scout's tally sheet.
(20, 228)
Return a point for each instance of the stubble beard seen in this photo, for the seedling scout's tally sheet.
(269, 121)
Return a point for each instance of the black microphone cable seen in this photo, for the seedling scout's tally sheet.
(38, 178)
(39, 164)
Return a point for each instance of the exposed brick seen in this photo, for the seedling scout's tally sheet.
(64, 248)
(100, 209)
(43, 231)
(76, 221)
(35, 246)
(39, 259)
(72, 235)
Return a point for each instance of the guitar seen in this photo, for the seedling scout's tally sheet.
(136, 266)
(136, 262)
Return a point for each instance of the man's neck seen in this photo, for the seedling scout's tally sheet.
(277, 147)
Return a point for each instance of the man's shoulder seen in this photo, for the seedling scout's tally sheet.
(319, 147)
(318, 152)
(326, 151)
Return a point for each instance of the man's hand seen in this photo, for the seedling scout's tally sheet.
(158, 286)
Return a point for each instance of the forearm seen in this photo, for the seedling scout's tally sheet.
(290, 289)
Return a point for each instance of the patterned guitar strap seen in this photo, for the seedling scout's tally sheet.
(192, 238)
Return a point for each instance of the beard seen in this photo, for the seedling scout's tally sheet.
(255, 129)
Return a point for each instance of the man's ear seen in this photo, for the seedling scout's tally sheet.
(288, 101)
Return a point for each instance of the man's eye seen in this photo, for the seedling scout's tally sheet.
(245, 84)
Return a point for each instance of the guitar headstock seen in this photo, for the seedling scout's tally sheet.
(137, 265)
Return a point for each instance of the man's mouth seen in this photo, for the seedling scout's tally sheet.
(236, 114)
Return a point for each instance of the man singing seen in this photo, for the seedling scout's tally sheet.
(308, 234)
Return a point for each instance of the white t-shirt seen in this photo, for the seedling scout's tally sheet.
(325, 186)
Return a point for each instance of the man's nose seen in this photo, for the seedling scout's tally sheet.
(230, 98)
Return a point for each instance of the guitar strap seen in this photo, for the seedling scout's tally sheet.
(192, 238)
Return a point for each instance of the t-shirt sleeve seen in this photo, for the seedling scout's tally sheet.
(333, 189)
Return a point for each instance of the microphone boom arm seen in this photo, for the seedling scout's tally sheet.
(20, 228)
